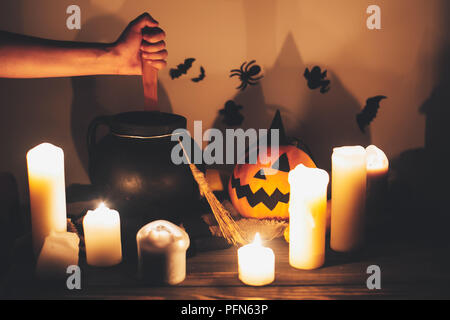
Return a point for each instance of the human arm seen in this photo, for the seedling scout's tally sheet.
(30, 57)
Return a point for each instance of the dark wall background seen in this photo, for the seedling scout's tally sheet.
(407, 61)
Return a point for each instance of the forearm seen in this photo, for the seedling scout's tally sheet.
(29, 57)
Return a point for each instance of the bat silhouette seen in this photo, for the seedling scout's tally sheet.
(182, 68)
(369, 112)
(316, 79)
(232, 116)
(201, 76)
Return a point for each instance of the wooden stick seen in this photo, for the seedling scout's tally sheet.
(150, 83)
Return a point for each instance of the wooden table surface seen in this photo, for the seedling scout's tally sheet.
(409, 244)
(408, 271)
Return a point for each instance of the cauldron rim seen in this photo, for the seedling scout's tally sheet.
(145, 123)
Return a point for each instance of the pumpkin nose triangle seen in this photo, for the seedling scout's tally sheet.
(260, 175)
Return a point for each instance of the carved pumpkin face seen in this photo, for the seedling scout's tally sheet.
(261, 190)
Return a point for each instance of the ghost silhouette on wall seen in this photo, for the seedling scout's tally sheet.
(316, 79)
(231, 114)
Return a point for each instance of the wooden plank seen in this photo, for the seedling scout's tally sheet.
(271, 292)
(407, 272)
(219, 268)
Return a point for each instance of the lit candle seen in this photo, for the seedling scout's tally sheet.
(348, 197)
(45, 164)
(59, 251)
(102, 237)
(307, 217)
(377, 165)
(162, 252)
(256, 263)
(376, 161)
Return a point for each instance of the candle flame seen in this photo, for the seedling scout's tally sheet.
(101, 205)
(257, 240)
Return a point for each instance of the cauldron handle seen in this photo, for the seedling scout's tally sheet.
(92, 132)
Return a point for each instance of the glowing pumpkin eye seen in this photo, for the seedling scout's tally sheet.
(282, 164)
(260, 175)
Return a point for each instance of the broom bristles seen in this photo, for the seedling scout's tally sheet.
(229, 228)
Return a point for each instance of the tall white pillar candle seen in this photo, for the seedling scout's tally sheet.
(45, 164)
(162, 252)
(256, 263)
(307, 217)
(348, 198)
(102, 237)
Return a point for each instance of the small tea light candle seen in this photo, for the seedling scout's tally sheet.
(102, 237)
(162, 249)
(45, 164)
(348, 198)
(307, 217)
(256, 263)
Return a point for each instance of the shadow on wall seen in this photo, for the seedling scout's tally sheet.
(330, 121)
(321, 121)
(420, 187)
(12, 18)
(103, 95)
(437, 111)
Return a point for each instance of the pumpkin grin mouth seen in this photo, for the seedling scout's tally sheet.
(260, 196)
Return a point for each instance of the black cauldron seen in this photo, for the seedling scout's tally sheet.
(131, 167)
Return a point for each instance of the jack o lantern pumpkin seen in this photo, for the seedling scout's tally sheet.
(261, 190)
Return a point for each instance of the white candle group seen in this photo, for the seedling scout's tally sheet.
(162, 249)
(348, 198)
(256, 263)
(46, 182)
(162, 245)
(102, 237)
(307, 217)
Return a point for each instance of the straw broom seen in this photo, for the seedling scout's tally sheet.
(229, 228)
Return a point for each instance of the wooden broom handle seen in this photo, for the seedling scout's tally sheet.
(150, 83)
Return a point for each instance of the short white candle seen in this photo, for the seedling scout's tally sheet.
(162, 250)
(59, 251)
(45, 164)
(256, 263)
(307, 217)
(102, 237)
(348, 198)
(377, 165)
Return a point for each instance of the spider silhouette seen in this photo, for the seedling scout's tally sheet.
(247, 74)
(316, 79)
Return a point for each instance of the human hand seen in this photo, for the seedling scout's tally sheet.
(141, 38)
